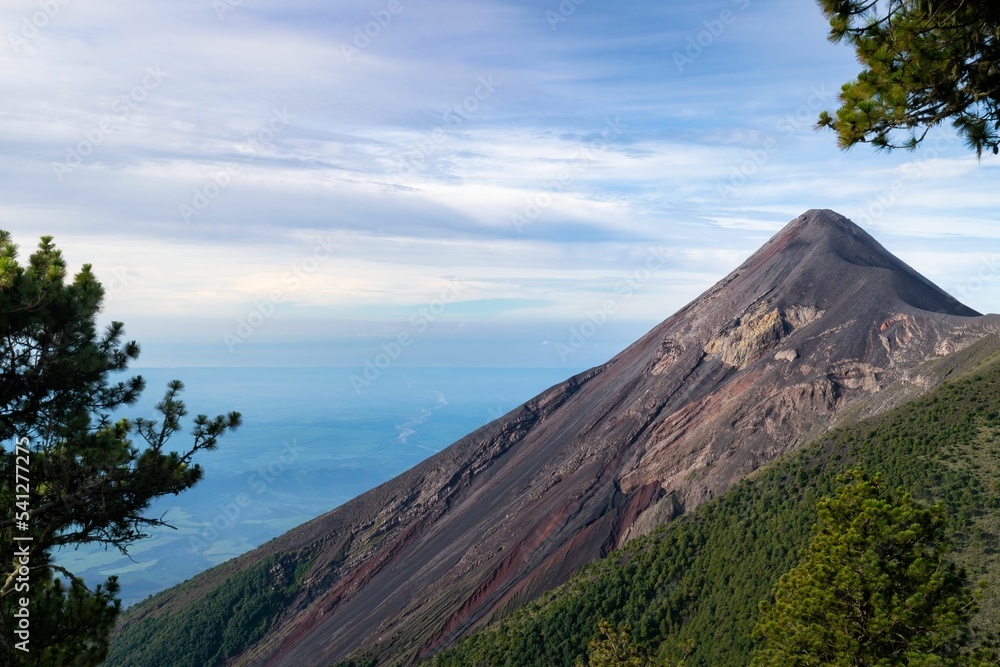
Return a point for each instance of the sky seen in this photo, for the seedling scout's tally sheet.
(484, 183)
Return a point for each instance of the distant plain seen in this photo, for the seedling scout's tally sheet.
(309, 443)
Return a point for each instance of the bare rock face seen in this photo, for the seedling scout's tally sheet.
(820, 320)
(758, 331)
(788, 354)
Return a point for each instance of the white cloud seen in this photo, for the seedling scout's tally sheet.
(414, 188)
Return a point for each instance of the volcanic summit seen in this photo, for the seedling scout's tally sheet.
(820, 325)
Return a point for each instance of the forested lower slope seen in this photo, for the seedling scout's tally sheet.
(217, 626)
(693, 587)
(820, 325)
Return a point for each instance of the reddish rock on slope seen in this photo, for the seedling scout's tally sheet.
(821, 319)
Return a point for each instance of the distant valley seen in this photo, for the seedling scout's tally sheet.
(822, 327)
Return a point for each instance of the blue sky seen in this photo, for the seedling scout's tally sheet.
(467, 183)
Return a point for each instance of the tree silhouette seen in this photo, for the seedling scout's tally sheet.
(923, 62)
(69, 475)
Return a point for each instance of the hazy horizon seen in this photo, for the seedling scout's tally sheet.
(306, 182)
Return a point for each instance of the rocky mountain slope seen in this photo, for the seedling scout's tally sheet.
(691, 590)
(821, 325)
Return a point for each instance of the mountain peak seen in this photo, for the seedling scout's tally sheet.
(824, 224)
(821, 324)
(824, 217)
(819, 225)
(826, 259)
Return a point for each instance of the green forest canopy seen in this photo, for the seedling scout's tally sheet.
(923, 62)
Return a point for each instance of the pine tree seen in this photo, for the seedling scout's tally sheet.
(874, 589)
(69, 475)
(614, 648)
(923, 62)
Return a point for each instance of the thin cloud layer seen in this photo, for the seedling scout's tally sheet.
(200, 152)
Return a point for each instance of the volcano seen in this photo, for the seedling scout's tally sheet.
(820, 326)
